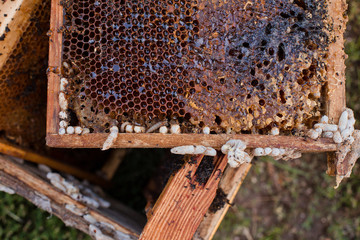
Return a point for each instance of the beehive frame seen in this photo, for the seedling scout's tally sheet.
(335, 104)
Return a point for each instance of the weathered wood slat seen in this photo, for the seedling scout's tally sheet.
(35, 189)
(181, 207)
(31, 156)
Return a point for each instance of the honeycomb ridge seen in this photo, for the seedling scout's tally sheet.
(229, 65)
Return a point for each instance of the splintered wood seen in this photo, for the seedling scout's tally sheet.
(183, 203)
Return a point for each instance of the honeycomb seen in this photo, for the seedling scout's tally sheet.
(234, 66)
(23, 82)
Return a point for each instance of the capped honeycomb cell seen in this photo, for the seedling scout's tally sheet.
(231, 66)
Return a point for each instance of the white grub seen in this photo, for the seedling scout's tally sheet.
(194, 150)
(163, 130)
(324, 119)
(44, 168)
(71, 189)
(328, 134)
(296, 155)
(326, 127)
(226, 148)
(70, 130)
(346, 133)
(97, 233)
(267, 151)
(103, 203)
(235, 153)
(175, 129)
(62, 101)
(62, 131)
(232, 145)
(139, 129)
(337, 137)
(90, 193)
(129, 128)
(319, 131)
(282, 151)
(77, 211)
(89, 219)
(63, 115)
(78, 130)
(275, 131)
(66, 65)
(106, 225)
(63, 84)
(313, 134)
(123, 126)
(242, 156)
(187, 149)
(206, 130)
(275, 152)
(259, 152)
(351, 139)
(199, 150)
(85, 131)
(6, 189)
(89, 201)
(210, 152)
(156, 126)
(56, 180)
(350, 113)
(238, 157)
(343, 121)
(42, 202)
(351, 123)
(114, 130)
(63, 124)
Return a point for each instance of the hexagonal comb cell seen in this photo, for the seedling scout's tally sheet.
(234, 66)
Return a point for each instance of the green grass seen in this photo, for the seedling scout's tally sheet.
(21, 220)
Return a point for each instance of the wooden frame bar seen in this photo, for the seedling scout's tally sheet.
(336, 98)
(158, 140)
(55, 49)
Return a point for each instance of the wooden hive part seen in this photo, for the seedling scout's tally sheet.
(23, 75)
(228, 65)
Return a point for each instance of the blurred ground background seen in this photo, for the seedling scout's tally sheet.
(278, 200)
